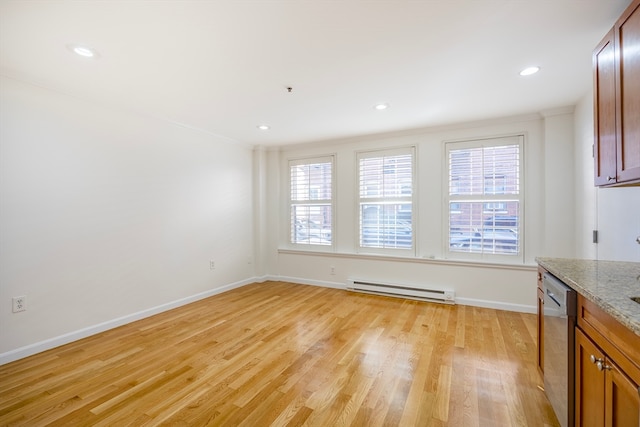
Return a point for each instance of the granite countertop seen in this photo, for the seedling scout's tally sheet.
(609, 284)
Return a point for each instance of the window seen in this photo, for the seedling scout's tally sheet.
(484, 196)
(311, 201)
(385, 199)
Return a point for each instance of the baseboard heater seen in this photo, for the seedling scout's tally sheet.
(402, 291)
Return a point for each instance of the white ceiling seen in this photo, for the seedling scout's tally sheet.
(223, 66)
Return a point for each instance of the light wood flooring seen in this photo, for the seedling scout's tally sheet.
(282, 354)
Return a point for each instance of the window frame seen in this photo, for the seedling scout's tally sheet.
(292, 162)
(410, 199)
(486, 199)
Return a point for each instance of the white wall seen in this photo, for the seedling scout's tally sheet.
(547, 139)
(585, 195)
(557, 169)
(107, 215)
(614, 212)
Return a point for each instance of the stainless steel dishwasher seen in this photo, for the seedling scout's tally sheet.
(559, 347)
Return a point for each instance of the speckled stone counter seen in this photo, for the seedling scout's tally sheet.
(609, 284)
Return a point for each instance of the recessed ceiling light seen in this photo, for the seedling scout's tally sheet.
(84, 51)
(263, 127)
(530, 70)
(381, 106)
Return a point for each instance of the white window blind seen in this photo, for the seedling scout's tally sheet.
(484, 196)
(385, 180)
(311, 201)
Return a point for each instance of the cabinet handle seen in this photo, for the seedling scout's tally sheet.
(611, 178)
(599, 363)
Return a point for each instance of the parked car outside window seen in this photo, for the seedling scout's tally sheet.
(499, 234)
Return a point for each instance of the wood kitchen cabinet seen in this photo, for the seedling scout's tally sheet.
(616, 67)
(589, 383)
(607, 370)
(604, 91)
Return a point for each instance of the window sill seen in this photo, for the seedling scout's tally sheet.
(436, 261)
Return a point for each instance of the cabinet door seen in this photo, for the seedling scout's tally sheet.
(622, 404)
(627, 41)
(590, 384)
(604, 100)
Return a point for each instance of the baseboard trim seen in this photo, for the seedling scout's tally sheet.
(497, 305)
(302, 281)
(50, 343)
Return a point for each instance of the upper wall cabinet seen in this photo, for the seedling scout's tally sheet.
(616, 65)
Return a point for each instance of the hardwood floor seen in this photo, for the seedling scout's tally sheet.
(281, 354)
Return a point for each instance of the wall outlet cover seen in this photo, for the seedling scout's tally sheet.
(19, 304)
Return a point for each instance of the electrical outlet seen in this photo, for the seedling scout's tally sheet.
(212, 265)
(332, 270)
(19, 304)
